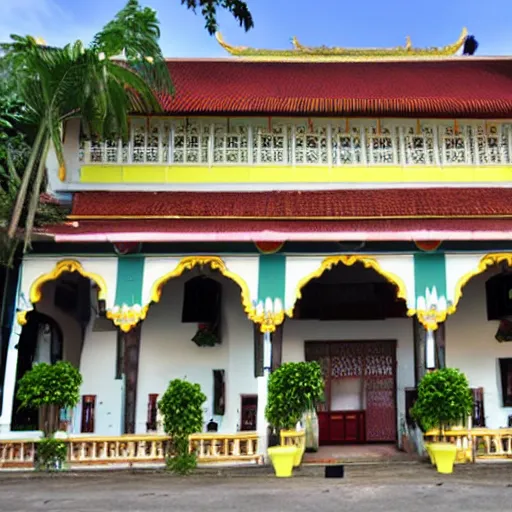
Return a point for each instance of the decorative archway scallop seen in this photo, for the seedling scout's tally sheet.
(35, 290)
(404, 283)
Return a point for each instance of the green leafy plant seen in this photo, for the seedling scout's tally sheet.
(51, 454)
(238, 8)
(50, 387)
(184, 461)
(91, 83)
(206, 336)
(444, 400)
(293, 389)
(182, 409)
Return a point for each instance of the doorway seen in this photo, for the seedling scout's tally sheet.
(360, 390)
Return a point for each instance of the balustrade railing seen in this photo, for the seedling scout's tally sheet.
(314, 142)
(213, 447)
(293, 438)
(476, 443)
(135, 449)
(19, 453)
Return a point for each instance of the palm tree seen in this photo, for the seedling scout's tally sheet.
(121, 72)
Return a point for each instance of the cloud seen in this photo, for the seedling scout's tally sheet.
(40, 18)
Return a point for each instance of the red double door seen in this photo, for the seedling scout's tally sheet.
(360, 391)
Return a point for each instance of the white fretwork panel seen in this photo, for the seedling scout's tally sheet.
(230, 143)
(382, 144)
(305, 142)
(490, 142)
(311, 144)
(270, 144)
(419, 145)
(347, 147)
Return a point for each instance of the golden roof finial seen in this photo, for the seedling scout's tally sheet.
(340, 53)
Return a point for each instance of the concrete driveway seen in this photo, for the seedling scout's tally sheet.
(397, 488)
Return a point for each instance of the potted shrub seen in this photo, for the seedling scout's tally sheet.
(293, 389)
(444, 400)
(50, 388)
(182, 409)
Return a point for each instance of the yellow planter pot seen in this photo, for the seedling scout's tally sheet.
(430, 454)
(283, 458)
(298, 455)
(444, 455)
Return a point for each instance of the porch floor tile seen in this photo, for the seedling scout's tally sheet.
(357, 453)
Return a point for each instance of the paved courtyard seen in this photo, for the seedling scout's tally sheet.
(370, 488)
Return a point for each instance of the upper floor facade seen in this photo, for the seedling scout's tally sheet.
(239, 124)
(169, 152)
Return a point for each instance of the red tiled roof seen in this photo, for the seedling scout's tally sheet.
(454, 88)
(331, 204)
(259, 230)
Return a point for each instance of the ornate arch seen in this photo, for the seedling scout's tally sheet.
(485, 262)
(349, 260)
(62, 267)
(215, 263)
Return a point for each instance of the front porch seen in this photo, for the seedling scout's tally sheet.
(136, 306)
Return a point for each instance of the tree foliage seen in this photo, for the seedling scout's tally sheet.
(238, 8)
(293, 389)
(121, 72)
(444, 400)
(182, 408)
(50, 384)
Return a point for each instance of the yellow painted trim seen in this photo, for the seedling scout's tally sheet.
(284, 217)
(349, 260)
(431, 319)
(36, 289)
(61, 268)
(127, 318)
(289, 174)
(487, 261)
(21, 317)
(215, 263)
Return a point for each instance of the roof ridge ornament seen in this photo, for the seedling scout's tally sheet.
(341, 53)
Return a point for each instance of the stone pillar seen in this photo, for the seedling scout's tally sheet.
(261, 422)
(10, 379)
(430, 351)
(131, 348)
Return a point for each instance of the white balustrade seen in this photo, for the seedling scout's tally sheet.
(313, 142)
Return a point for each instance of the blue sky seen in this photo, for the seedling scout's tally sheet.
(315, 22)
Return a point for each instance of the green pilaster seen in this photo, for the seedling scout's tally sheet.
(429, 272)
(130, 274)
(271, 279)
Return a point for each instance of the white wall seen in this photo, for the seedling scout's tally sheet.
(296, 332)
(472, 348)
(167, 353)
(98, 368)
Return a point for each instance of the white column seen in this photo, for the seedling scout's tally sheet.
(261, 422)
(10, 378)
(430, 350)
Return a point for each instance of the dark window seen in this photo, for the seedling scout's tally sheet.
(219, 399)
(499, 296)
(202, 301)
(152, 412)
(88, 413)
(249, 409)
(506, 381)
